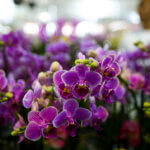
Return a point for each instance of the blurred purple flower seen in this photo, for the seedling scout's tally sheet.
(99, 114)
(137, 81)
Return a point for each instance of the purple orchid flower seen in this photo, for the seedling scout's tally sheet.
(59, 51)
(87, 44)
(28, 99)
(108, 89)
(40, 124)
(110, 67)
(57, 47)
(81, 80)
(18, 89)
(99, 114)
(30, 96)
(61, 88)
(71, 113)
(120, 93)
(137, 81)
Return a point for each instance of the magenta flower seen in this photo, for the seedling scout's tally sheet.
(107, 90)
(71, 113)
(99, 115)
(130, 131)
(80, 80)
(57, 47)
(137, 81)
(29, 97)
(59, 51)
(61, 88)
(40, 124)
(110, 67)
(120, 93)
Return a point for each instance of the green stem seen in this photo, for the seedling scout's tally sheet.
(141, 119)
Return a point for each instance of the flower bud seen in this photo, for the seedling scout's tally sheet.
(42, 78)
(55, 66)
(92, 53)
(9, 94)
(78, 61)
(94, 64)
(86, 61)
(1, 43)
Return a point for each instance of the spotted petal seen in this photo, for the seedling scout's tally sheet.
(81, 69)
(106, 62)
(92, 78)
(28, 98)
(82, 114)
(48, 114)
(70, 77)
(33, 131)
(37, 90)
(57, 77)
(116, 68)
(34, 116)
(60, 119)
(71, 106)
(96, 90)
(112, 84)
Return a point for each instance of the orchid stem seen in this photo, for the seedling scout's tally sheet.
(141, 114)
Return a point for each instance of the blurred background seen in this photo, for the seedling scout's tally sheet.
(118, 23)
(126, 18)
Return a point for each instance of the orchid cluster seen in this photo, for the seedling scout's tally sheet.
(59, 51)
(11, 94)
(18, 50)
(138, 65)
(16, 54)
(69, 98)
(69, 84)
